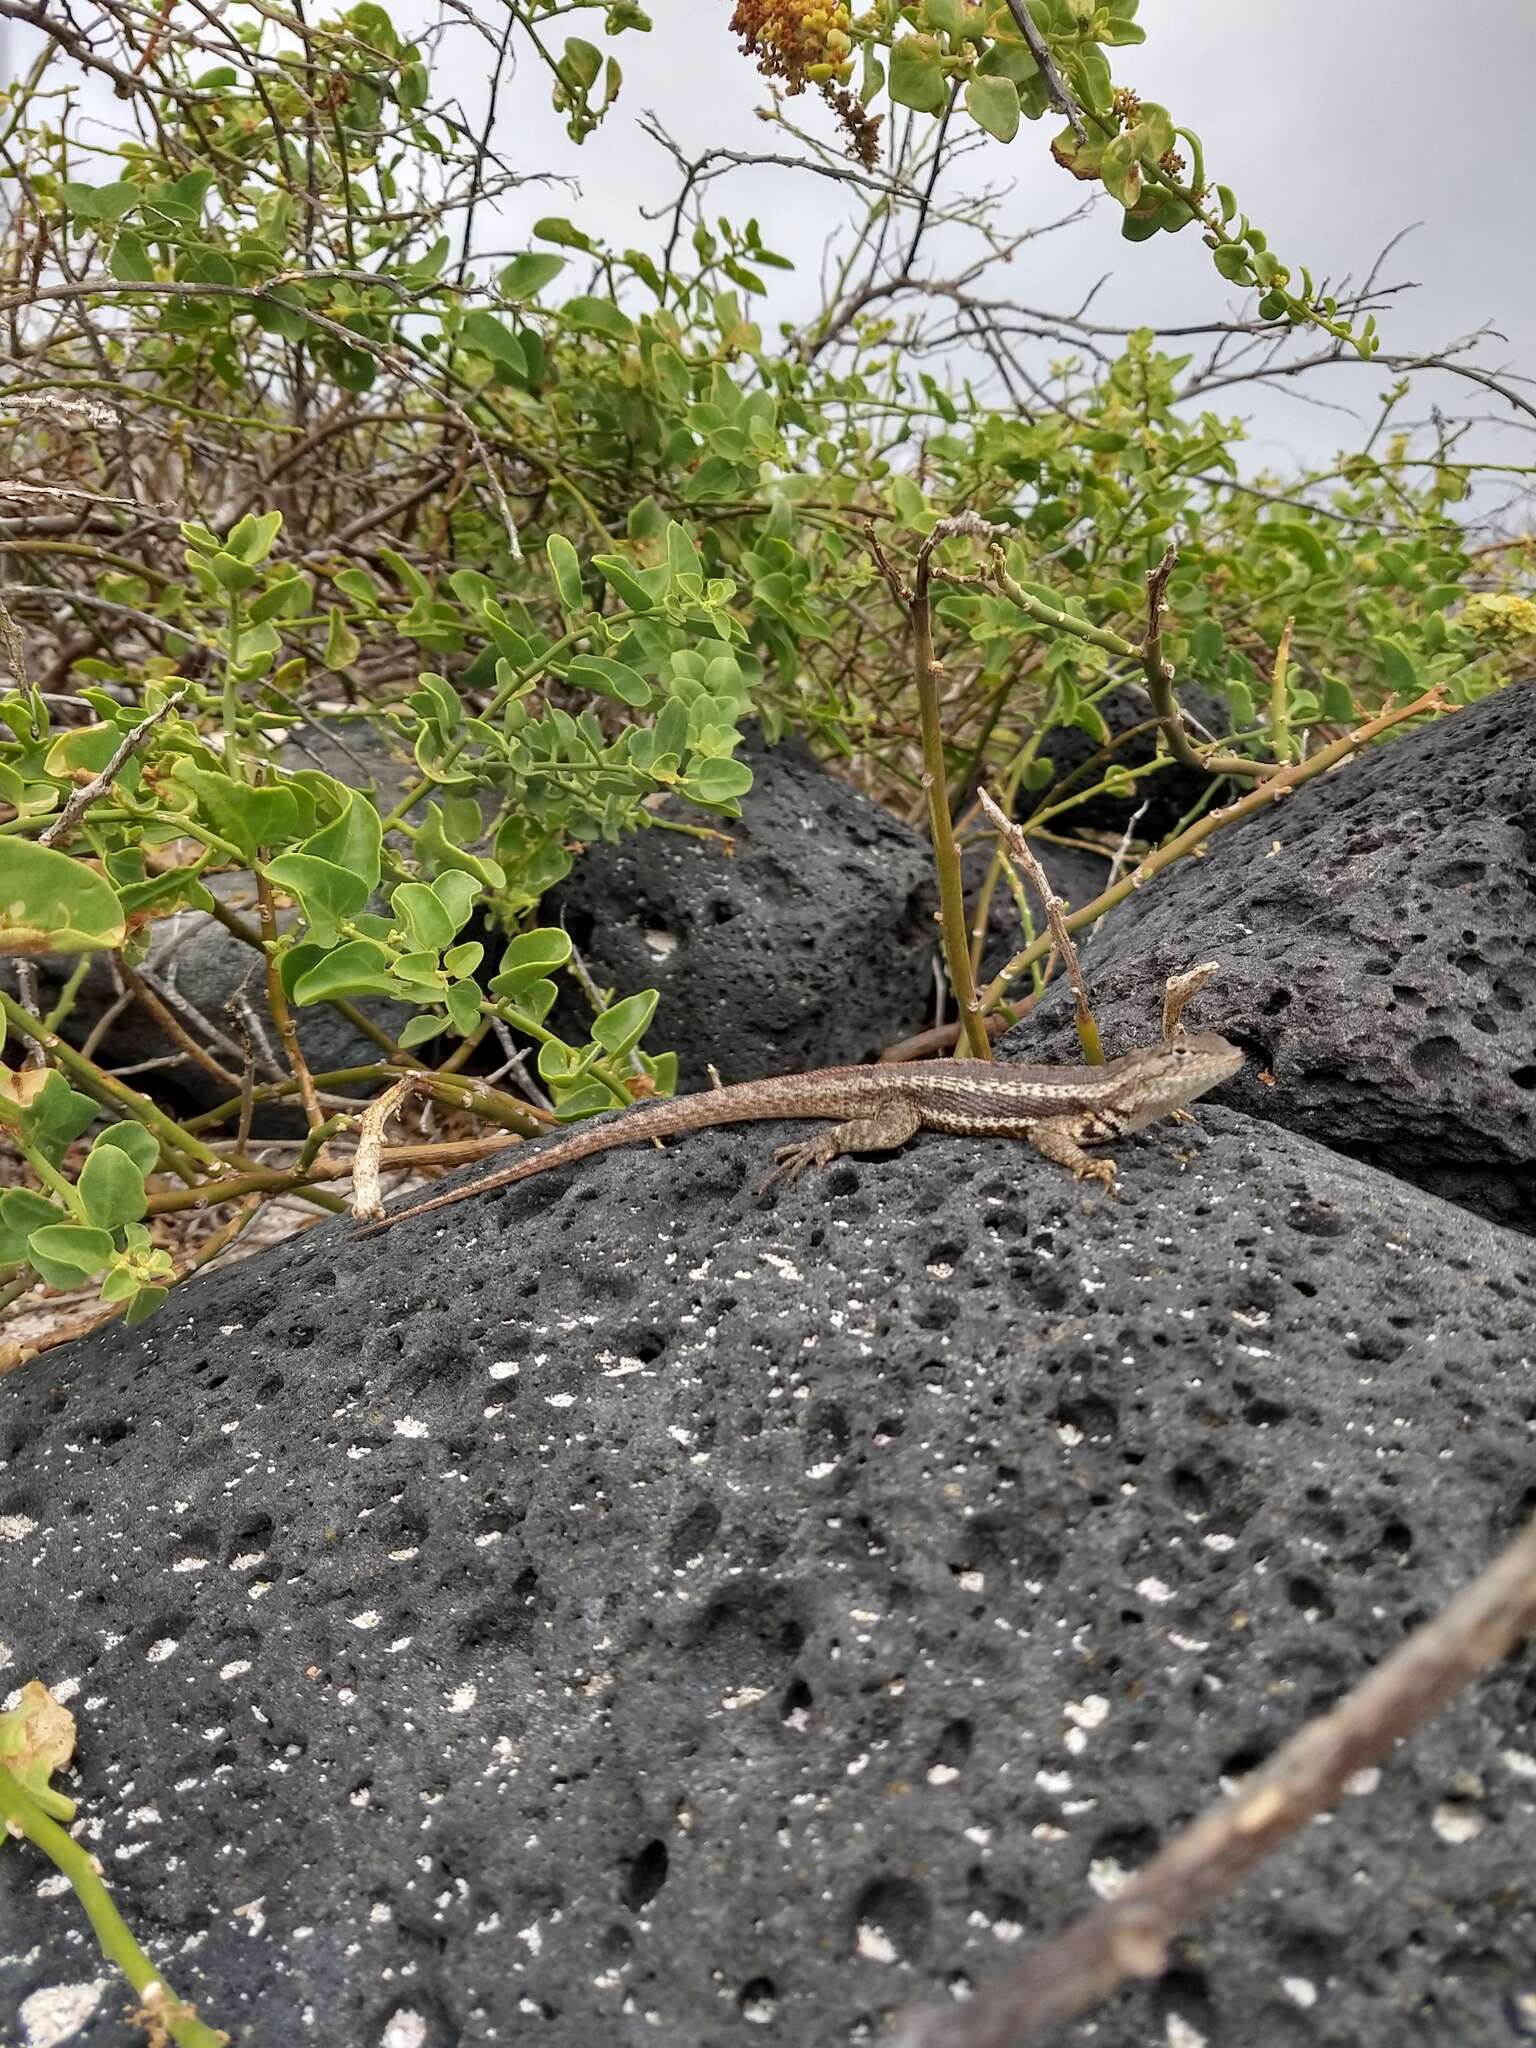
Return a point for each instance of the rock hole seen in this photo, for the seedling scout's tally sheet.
(645, 1876)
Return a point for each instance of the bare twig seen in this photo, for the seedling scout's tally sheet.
(1179, 990)
(98, 785)
(1026, 857)
(1130, 1935)
(1055, 84)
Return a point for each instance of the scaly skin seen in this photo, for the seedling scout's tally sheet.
(1058, 1110)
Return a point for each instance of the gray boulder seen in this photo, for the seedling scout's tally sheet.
(636, 1609)
(806, 943)
(1377, 939)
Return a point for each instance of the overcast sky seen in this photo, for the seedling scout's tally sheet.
(1338, 122)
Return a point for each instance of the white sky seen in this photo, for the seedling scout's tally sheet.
(1338, 122)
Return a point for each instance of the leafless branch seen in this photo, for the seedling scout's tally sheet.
(1130, 1935)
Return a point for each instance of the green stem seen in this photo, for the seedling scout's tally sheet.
(21, 1812)
(957, 953)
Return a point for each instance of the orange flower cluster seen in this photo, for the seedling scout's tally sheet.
(807, 42)
(802, 42)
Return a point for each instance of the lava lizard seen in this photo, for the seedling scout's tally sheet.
(1058, 1110)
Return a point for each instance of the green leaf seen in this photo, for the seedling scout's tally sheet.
(1297, 539)
(555, 228)
(427, 920)
(111, 1187)
(419, 1029)
(565, 567)
(529, 957)
(353, 841)
(358, 968)
(599, 316)
(917, 77)
(250, 540)
(1233, 264)
(324, 892)
(65, 1253)
(484, 335)
(143, 1305)
(716, 780)
(463, 960)
(342, 646)
(455, 890)
(618, 1029)
(623, 579)
(683, 562)
(50, 902)
(526, 275)
(610, 679)
(141, 1146)
(21, 1212)
(462, 1003)
(1401, 669)
(249, 818)
(993, 104)
(100, 202)
(130, 260)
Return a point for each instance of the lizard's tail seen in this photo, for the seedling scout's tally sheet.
(742, 1103)
(541, 1158)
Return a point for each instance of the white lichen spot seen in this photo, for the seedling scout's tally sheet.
(58, 2012)
(190, 1564)
(560, 1400)
(749, 1696)
(462, 1698)
(1106, 1877)
(505, 1369)
(16, 1528)
(942, 1774)
(1300, 1991)
(407, 1425)
(972, 1582)
(1158, 1591)
(1361, 1784)
(403, 2029)
(158, 1652)
(1182, 2035)
(1090, 1712)
(1455, 1823)
(874, 1945)
(369, 1618)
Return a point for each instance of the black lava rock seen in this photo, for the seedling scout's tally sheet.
(1168, 794)
(1377, 940)
(807, 943)
(633, 1609)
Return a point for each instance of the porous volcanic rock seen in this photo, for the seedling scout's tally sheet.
(633, 1609)
(807, 942)
(1377, 939)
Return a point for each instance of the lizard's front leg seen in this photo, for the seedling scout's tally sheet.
(1058, 1138)
(886, 1130)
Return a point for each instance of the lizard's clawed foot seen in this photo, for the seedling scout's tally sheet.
(1181, 1116)
(1101, 1170)
(793, 1160)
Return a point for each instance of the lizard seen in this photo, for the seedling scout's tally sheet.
(1058, 1110)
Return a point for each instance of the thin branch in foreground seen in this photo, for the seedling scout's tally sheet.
(1055, 84)
(98, 785)
(1130, 1935)
(1054, 905)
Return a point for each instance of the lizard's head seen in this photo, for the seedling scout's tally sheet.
(1198, 1061)
(1164, 1077)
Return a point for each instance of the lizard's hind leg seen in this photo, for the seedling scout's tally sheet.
(886, 1129)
